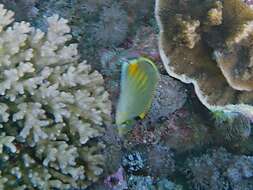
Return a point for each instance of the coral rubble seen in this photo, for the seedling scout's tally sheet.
(209, 43)
(52, 108)
(148, 183)
(140, 183)
(116, 181)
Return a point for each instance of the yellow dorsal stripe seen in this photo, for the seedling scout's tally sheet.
(139, 77)
(143, 83)
(140, 80)
(133, 68)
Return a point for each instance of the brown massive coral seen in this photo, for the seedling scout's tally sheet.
(209, 43)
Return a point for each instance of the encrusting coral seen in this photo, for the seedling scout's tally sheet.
(24, 9)
(52, 108)
(218, 169)
(233, 126)
(209, 43)
(170, 96)
(112, 27)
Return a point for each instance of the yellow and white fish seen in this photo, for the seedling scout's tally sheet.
(139, 78)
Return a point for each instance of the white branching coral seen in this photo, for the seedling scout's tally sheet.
(52, 108)
(7, 141)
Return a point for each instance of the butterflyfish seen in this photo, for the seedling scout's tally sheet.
(139, 78)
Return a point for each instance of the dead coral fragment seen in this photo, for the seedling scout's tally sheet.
(208, 43)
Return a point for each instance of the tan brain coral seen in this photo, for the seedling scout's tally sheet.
(209, 43)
